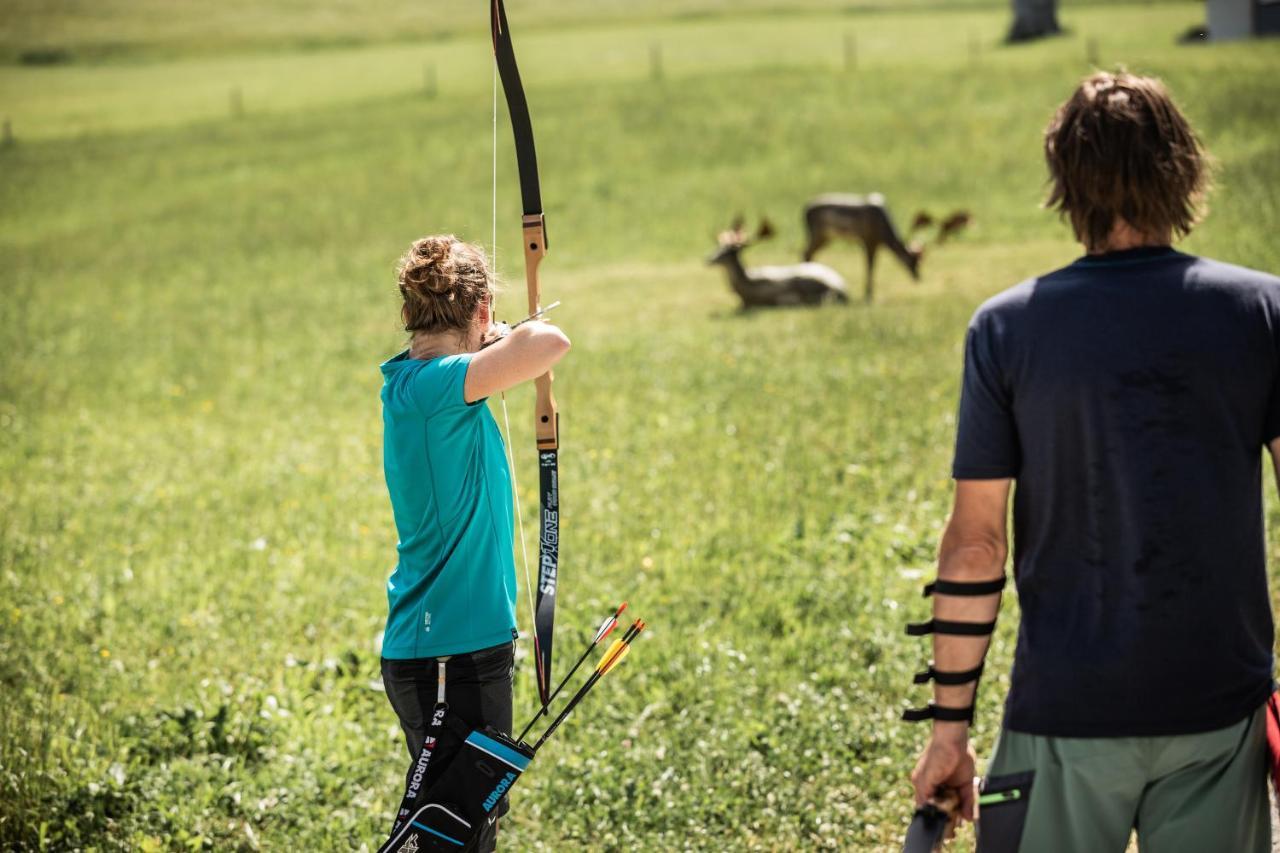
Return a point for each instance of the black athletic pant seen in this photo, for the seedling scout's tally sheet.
(478, 693)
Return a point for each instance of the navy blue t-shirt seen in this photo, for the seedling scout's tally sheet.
(1130, 395)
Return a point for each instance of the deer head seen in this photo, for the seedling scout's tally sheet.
(915, 251)
(737, 238)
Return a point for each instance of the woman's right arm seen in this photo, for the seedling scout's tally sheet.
(526, 353)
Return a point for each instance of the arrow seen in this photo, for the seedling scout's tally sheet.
(536, 314)
(612, 657)
(606, 628)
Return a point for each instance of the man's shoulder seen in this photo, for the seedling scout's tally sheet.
(1006, 305)
(1071, 284)
(1215, 273)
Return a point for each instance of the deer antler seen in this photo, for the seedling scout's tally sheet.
(922, 220)
(954, 223)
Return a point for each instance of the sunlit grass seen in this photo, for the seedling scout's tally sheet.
(193, 525)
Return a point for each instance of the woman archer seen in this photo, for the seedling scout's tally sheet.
(449, 640)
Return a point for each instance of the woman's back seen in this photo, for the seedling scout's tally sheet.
(454, 586)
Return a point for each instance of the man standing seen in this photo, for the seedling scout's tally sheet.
(1130, 395)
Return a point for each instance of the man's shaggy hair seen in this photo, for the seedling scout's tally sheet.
(1119, 148)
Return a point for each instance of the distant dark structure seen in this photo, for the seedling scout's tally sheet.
(1239, 19)
(1033, 19)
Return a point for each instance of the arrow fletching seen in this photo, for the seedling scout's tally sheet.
(620, 647)
(615, 649)
(612, 657)
(617, 659)
(607, 626)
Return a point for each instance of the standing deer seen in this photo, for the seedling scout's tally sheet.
(863, 218)
(762, 287)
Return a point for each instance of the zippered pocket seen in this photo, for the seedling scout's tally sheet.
(1002, 811)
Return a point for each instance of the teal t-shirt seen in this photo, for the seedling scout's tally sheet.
(454, 587)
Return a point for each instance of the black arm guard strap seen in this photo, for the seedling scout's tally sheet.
(938, 712)
(966, 588)
(948, 679)
(944, 626)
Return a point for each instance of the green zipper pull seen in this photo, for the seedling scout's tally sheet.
(998, 797)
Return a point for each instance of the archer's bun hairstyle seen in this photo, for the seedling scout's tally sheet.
(442, 281)
(1119, 147)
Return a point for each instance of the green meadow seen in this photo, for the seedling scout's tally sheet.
(200, 214)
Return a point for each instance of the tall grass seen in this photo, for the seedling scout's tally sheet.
(193, 526)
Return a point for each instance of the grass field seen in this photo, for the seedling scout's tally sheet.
(194, 531)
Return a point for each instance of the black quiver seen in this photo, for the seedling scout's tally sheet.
(450, 814)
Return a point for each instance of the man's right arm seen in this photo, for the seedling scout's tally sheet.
(973, 550)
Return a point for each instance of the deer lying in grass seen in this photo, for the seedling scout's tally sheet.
(863, 218)
(763, 287)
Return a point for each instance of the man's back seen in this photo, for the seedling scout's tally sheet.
(1130, 395)
(1125, 401)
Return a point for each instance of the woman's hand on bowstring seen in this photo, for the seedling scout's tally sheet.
(496, 332)
(505, 359)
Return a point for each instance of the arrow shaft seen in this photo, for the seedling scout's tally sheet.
(605, 629)
(611, 658)
(542, 712)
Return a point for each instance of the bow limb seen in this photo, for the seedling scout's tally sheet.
(546, 419)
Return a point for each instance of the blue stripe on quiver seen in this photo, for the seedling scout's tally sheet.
(438, 834)
(498, 750)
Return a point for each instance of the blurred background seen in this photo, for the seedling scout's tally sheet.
(201, 206)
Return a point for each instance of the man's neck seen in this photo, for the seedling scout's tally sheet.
(1124, 236)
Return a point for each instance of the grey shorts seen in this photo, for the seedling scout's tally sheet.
(1183, 794)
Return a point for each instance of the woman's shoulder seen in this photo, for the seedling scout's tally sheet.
(427, 385)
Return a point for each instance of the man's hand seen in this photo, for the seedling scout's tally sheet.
(947, 764)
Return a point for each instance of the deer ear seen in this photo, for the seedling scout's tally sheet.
(738, 222)
(765, 231)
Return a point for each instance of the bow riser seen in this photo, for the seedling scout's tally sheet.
(546, 417)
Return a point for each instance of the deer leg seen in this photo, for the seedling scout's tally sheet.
(871, 266)
(816, 241)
